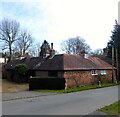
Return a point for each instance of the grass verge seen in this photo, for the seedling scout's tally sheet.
(80, 88)
(112, 109)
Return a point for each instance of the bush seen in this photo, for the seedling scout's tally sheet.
(47, 83)
(21, 75)
(21, 69)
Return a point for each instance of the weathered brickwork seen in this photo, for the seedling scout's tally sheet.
(79, 78)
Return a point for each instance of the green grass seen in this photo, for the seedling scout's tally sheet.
(81, 88)
(112, 109)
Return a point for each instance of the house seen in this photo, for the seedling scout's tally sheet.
(3, 59)
(76, 69)
(30, 62)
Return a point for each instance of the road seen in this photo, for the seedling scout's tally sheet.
(78, 103)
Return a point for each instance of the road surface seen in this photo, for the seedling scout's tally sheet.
(78, 103)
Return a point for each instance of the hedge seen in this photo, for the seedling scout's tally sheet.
(46, 83)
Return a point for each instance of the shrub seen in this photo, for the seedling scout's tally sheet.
(21, 75)
(21, 69)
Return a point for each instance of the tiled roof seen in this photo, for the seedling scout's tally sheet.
(71, 62)
(100, 63)
(30, 62)
(61, 62)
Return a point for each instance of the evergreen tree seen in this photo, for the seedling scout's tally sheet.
(45, 49)
(115, 42)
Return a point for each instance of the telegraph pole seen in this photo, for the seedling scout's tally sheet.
(113, 61)
(117, 63)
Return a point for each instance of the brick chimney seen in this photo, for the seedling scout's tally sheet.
(51, 46)
(52, 51)
(105, 51)
(84, 54)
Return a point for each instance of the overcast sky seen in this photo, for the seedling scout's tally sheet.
(57, 20)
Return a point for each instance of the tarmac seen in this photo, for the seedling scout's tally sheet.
(33, 94)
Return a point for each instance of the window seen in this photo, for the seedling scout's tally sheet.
(103, 72)
(52, 73)
(94, 72)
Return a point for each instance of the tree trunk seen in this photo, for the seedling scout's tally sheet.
(10, 50)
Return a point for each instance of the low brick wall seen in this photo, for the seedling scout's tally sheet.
(46, 83)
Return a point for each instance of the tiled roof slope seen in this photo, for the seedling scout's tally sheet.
(30, 62)
(55, 63)
(100, 63)
(71, 62)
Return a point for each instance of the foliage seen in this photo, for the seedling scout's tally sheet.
(21, 69)
(115, 42)
(75, 45)
(97, 53)
(45, 48)
(80, 88)
(112, 109)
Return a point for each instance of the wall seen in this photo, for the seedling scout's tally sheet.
(60, 74)
(9, 75)
(41, 73)
(77, 78)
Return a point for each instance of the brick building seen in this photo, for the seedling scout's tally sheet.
(76, 69)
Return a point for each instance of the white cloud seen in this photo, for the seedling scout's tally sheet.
(55, 20)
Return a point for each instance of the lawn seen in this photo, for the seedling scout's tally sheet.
(112, 109)
(80, 88)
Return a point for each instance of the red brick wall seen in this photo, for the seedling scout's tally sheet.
(74, 78)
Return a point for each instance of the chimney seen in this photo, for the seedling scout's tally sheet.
(84, 54)
(51, 46)
(52, 51)
(105, 51)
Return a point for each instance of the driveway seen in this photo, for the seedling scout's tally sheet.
(10, 87)
(78, 103)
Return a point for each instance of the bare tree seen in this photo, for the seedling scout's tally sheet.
(8, 33)
(75, 45)
(97, 52)
(35, 49)
(24, 43)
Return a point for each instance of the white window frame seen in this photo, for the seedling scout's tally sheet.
(103, 72)
(94, 72)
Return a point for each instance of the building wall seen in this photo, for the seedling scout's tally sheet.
(41, 73)
(60, 74)
(9, 74)
(79, 78)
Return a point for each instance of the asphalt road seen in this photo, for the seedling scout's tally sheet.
(79, 103)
